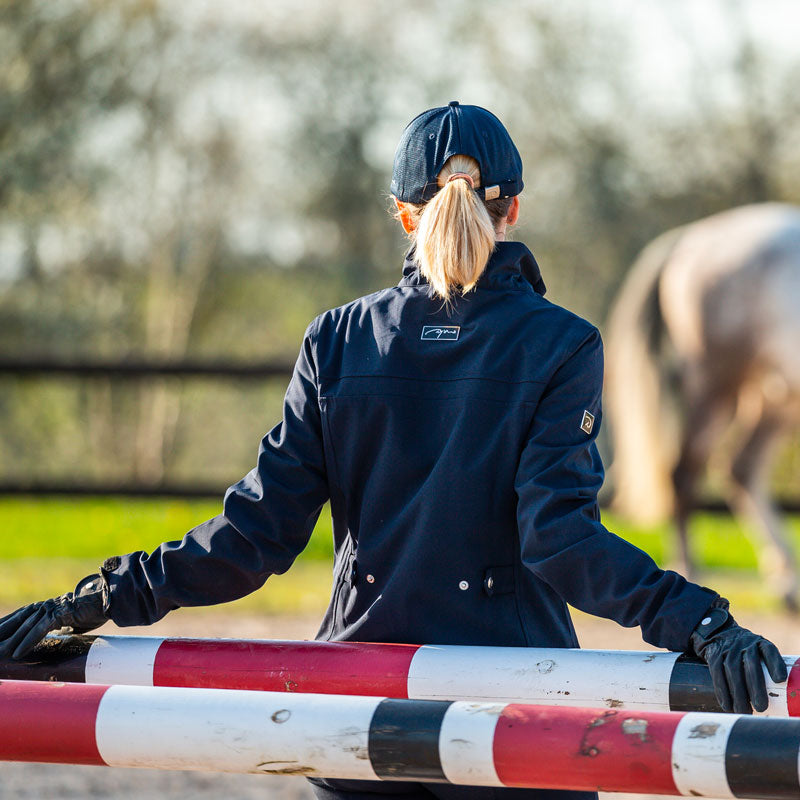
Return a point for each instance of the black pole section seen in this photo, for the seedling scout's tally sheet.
(690, 686)
(61, 658)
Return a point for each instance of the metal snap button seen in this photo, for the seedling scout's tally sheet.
(489, 582)
(463, 585)
(370, 579)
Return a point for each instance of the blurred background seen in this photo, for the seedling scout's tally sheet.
(189, 184)
(185, 185)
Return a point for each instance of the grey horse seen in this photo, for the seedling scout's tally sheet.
(705, 336)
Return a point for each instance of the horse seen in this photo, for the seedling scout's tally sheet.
(704, 342)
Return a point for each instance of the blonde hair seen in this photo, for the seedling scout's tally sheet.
(455, 230)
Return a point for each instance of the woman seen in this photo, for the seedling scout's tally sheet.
(451, 421)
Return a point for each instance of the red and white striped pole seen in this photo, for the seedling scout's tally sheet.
(484, 744)
(614, 679)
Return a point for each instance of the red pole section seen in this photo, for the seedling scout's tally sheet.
(35, 724)
(320, 667)
(369, 738)
(624, 679)
(634, 751)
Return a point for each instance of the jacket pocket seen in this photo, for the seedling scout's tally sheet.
(499, 580)
(344, 576)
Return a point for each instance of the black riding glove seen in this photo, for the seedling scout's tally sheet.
(82, 610)
(734, 655)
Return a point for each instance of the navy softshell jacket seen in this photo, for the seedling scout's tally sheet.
(457, 448)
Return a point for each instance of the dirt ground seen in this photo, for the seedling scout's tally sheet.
(42, 782)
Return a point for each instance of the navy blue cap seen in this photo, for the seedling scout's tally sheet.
(436, 135)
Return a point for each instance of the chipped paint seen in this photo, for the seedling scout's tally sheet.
(359, 751)
(279, 717)
(612, 702)
(585, 748)
(602, 719)
(291, 768)
(635, 727)
(704, 731)
(492, 710)
(546, 666)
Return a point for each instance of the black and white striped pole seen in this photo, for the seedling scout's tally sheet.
(484, 744)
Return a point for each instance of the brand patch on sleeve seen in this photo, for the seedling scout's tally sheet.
(440, 333)
(587, 423)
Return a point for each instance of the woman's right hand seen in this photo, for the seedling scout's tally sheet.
(736, 658)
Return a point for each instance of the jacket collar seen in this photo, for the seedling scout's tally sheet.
(511, 266)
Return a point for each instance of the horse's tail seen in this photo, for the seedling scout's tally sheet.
(643, 454)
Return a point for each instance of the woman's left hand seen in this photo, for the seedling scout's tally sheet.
(82, 610)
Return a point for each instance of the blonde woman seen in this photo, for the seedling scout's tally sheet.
(451, 421)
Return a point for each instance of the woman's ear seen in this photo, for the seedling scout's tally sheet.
(405, 216)
(513, 211)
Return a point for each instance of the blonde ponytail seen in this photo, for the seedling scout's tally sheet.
(455, 231)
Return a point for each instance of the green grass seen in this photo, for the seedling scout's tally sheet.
(47, 544)
(304, 589)
(95, 528)
(717, 540)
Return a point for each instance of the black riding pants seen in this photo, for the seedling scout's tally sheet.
(371, 790)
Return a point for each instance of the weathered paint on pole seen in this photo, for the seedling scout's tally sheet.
(356, 738)
(614, 679)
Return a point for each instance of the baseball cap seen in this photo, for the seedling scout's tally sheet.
(439, 133)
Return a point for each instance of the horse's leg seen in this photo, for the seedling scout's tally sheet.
(706, 418)
(751, 499)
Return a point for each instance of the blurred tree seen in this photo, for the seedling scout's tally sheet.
(56, 61)
(184, 178)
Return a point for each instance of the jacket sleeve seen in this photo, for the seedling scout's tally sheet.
(267, 520)
(561, 537)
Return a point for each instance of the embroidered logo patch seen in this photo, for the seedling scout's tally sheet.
(440, 333)
(587, 423)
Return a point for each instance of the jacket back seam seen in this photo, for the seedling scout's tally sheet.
(438, 397)
(336, 378)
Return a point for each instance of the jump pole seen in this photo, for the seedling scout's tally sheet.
(615, 679)
(484, 744)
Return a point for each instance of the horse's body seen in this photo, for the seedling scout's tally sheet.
(712, 311)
